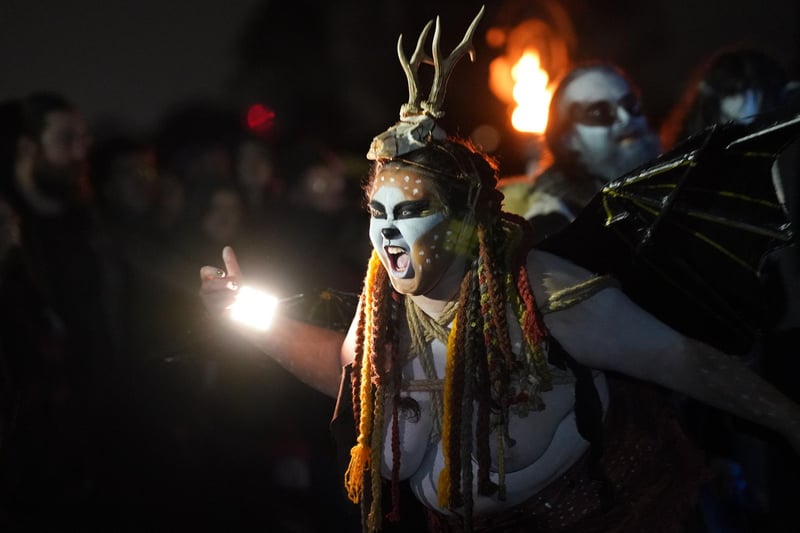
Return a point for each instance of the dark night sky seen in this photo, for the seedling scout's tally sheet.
(129, 61)
(120, 58)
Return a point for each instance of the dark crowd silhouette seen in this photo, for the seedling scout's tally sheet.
(122, 407)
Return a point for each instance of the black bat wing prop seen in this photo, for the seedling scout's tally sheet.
(687, 234)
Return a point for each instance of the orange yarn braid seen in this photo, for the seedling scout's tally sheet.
(360, 453)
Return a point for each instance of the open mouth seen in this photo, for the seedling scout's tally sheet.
(398, 258)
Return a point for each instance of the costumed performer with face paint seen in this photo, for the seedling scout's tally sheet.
(733, 85)
(596, 132)
(477, 367)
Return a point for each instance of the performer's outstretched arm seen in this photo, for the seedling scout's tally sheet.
(610, 332)
(314, 355)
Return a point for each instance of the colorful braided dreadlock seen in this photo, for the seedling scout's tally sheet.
(482, 371)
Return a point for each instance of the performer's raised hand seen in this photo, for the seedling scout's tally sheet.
(218, 286)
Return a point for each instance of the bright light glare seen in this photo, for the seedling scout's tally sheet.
(253, 308)
(532, 94)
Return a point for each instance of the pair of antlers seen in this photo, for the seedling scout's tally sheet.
(443, 67)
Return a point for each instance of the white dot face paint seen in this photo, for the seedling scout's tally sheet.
(405, 224)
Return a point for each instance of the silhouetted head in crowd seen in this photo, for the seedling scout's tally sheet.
(225, 215)
(51, 152)
(317, 178)
(596, 125)
(10, 232)
(257, 171)
(125, 174)
(733, 86)
(194, 149)
(195, 141)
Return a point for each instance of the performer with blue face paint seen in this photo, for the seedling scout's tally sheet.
(596, 132)
(597, 126)
(733, 85)
(412, 230)
(479, 370)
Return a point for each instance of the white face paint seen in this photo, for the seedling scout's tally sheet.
(740, 107)
(607, 129)
(416, 241)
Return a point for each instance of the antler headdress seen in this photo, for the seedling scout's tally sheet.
(417, 125)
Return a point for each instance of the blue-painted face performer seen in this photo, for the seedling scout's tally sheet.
(479, 365)
(596, 131)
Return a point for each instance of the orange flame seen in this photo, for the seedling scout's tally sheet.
(532, 93)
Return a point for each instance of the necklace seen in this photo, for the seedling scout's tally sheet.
(423, 330)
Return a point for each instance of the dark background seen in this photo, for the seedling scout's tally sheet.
(329, 68)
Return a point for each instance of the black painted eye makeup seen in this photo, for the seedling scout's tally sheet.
(376, 210)
(412, 209)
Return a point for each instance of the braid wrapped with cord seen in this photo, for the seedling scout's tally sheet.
(481, 371)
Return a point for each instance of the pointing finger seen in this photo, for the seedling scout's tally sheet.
(231, 263)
